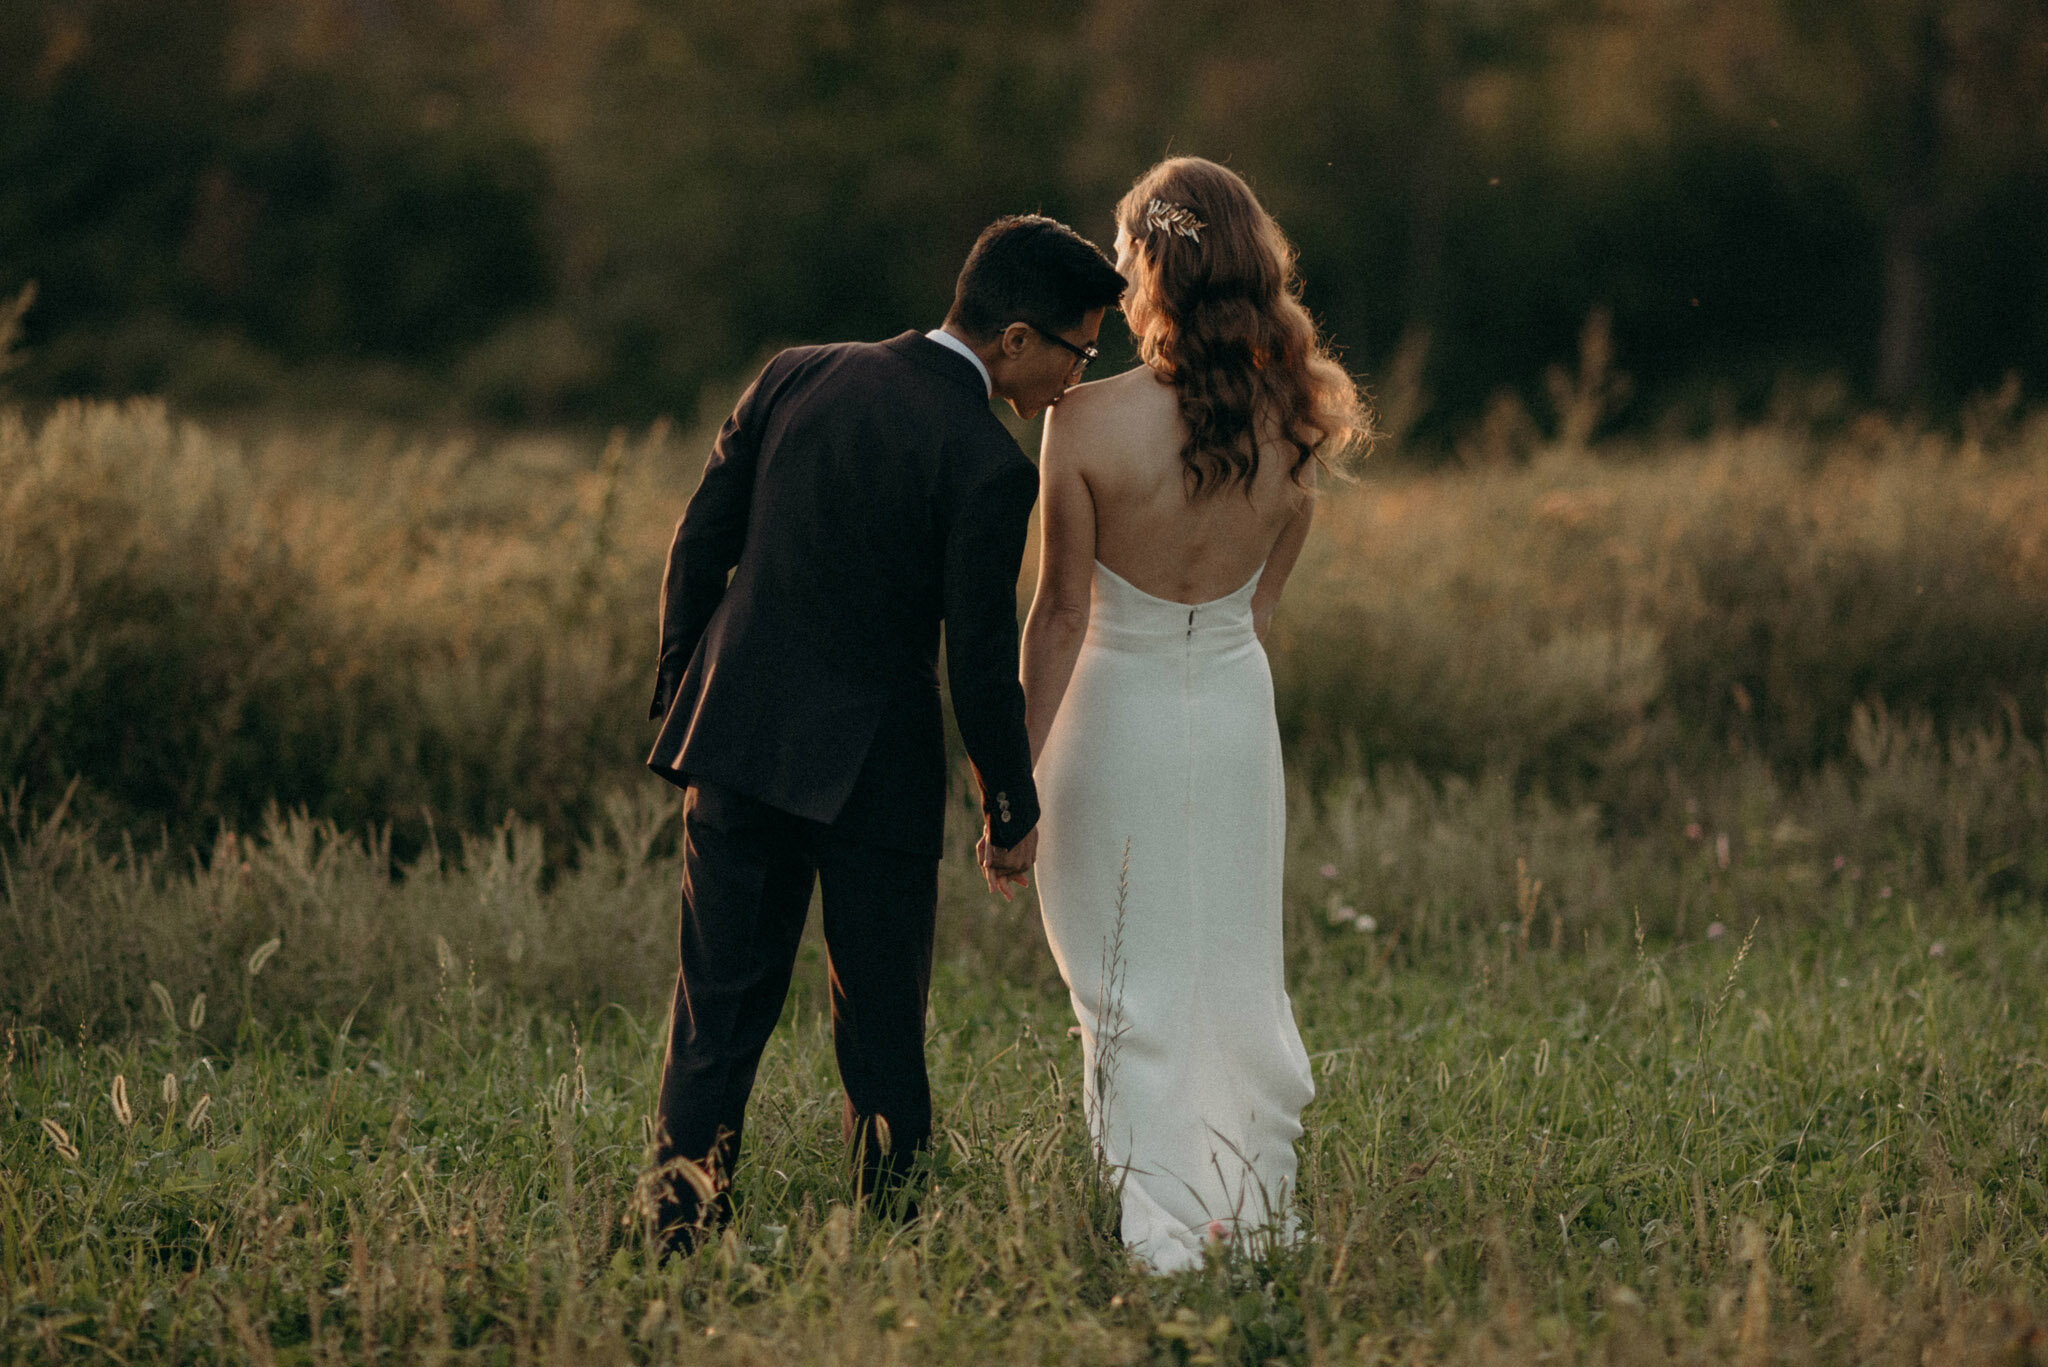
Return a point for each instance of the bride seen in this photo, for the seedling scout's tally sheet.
(1176, 499)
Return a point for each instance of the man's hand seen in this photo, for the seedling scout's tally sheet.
(1007, 870)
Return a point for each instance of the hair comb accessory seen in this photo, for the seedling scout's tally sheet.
(1162, 217)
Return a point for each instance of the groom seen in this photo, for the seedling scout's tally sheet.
(860, 495)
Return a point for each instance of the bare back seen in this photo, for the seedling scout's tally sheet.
(1112, 489)
(1124, 436)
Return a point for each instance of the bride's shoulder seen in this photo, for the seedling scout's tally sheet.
(1113, 401)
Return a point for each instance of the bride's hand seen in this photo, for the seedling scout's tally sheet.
(988, 875)
(1005, 870)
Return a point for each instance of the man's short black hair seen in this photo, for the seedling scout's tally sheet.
(1031, 269)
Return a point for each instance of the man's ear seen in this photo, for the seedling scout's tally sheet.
(1014, 339)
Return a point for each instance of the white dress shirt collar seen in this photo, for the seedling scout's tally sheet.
(947, 339)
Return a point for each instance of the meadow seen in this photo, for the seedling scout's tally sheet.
(1668, 855)
(404, 1124)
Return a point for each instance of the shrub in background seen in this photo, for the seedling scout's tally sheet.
(414, 636)
(1585, 624)
(379, 634)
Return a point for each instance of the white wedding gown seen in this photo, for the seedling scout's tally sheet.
(1195, 1073)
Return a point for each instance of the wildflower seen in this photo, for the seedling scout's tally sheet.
(1340, 913)
(65, 1148)
(1716, 930)
(1721, 849)
(1937, 949)
(1841, 982)
(1692, 830)
(1217, 1233)
(263, 953)
(1366, 925)
(1073, 1032)
(1328, 870)
(119, 1096)
(1840, 860)
(1885, 892)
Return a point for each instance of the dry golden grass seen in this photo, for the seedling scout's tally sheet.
(398, 630)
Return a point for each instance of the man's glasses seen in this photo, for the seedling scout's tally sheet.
(1082, 354)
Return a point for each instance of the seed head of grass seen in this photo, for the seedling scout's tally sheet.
(61, 1140)
(201, 1112)
(163, 999)
(263, 953)
(118, 1094)
(170, 1091)
(196, 1017)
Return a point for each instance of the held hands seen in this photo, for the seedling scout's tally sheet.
(1007, 871)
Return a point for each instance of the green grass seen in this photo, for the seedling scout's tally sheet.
(1533, 1136)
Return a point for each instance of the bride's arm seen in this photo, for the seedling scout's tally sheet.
(1280, 563)
(1058, 620)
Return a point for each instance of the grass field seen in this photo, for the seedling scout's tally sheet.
(1801, 1119)
(1667, 909)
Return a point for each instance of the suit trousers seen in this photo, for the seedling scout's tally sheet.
(748, 871)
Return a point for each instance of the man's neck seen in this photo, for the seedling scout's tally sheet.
(967, 345)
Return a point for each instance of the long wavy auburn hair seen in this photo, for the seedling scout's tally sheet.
(1219, 314)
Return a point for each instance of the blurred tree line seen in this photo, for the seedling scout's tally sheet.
(570, 210)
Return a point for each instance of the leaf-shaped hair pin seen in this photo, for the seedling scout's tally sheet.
(1162, 217)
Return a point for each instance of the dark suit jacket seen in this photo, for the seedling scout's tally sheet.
(858, 496)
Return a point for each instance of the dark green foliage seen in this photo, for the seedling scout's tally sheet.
(585, 210)
(192, 230)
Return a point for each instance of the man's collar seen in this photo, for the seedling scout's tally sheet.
(952, 343)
